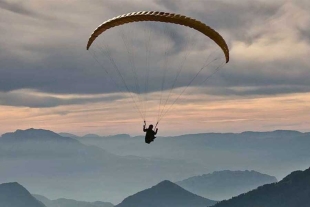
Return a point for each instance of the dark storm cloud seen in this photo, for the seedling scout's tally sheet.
(231, 17)
(264, 75)
(31, 100)
(56, 75)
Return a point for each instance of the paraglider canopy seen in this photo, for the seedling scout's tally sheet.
(161, 17)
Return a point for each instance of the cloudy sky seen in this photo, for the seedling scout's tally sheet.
(49, 80)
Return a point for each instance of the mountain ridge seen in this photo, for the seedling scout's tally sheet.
(165, 194)
(291, 191)
(34, 135)
(63, 202)
(220, 185)
(292, 132)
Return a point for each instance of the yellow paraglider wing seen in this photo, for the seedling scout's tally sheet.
(161, 17)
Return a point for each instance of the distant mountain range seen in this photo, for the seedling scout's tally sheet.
(165, 194)
(276, 153)
(15, 195)
(62, 202)
(67, 166)
(93, 136)
(292, 191)
(222, 185)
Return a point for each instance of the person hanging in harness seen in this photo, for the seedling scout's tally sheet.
(150, 133)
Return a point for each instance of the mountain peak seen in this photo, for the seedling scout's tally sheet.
(91, 136)
(33, 134)
(10, 191)
(167, 186)
(165, 183)
(164, 194)
(11, 185)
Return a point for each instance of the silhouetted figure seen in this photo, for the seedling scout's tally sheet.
(150, 134)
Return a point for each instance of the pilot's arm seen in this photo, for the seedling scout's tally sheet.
(144, 129)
